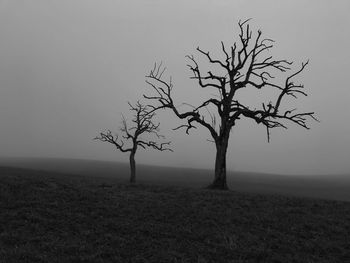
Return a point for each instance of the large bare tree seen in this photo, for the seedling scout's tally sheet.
(244, 65)
(141, 124)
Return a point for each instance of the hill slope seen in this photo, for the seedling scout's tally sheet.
(52, 217)
(326, 187)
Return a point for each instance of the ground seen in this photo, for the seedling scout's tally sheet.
(52, 217)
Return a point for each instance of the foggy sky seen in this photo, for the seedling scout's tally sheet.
(68, 68)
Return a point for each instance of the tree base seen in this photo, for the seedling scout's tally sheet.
(132, 181)
(218, 185)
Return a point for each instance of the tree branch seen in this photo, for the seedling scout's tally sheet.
(142, 124)
(245, 65)
(113, 139)
(160, 147)
(164, 98)
(269, 115)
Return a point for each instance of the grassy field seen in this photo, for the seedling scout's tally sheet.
(334, 187)
(54, 217)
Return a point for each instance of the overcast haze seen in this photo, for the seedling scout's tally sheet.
(68, 68)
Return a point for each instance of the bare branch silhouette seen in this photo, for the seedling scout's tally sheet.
(246, 64)
(141, 124)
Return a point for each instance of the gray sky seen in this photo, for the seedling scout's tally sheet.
(68, 67)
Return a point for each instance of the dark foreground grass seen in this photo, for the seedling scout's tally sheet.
(57, 218)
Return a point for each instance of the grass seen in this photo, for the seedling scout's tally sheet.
(51, 217)
(332, 186)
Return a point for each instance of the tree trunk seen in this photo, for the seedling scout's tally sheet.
(220, 165)
(132, 167)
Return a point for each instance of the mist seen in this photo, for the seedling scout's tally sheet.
(68, 69)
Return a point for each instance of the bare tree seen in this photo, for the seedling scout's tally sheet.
(142, 124)
(244, 65)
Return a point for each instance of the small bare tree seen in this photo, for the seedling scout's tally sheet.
(243, 66)
(142, 124)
